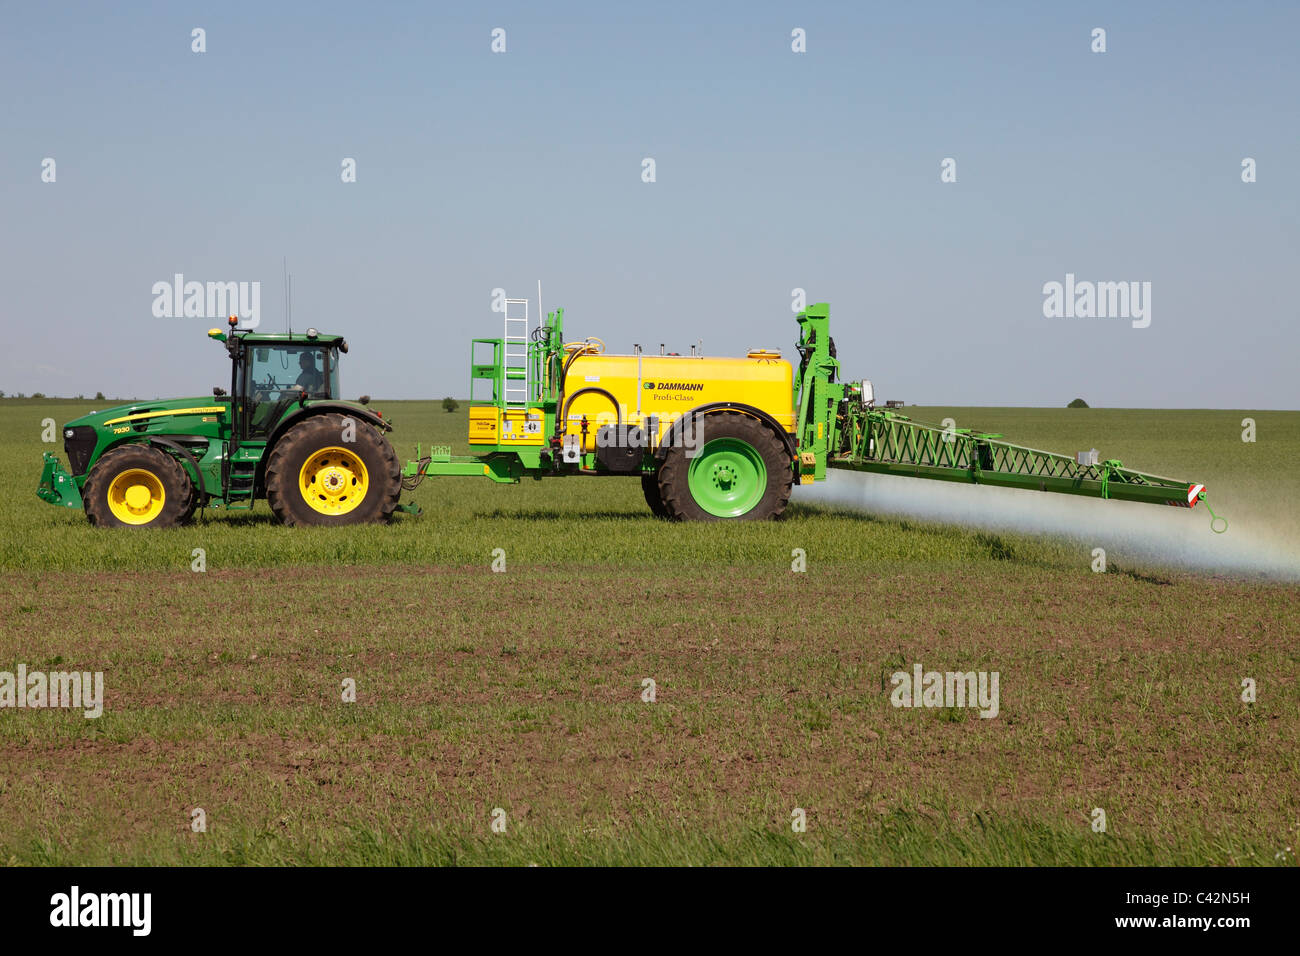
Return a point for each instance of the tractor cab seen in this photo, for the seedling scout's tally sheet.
(270, 373)
(277, 375)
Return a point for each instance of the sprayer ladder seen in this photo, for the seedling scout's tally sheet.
(515, 368)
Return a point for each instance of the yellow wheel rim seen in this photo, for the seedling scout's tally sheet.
(136, 496)
(333, 481)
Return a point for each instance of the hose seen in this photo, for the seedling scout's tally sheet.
(1215, 519)
(411, 482)
(618, 409)
(587, 345)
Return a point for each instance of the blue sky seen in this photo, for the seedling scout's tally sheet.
(774, 171)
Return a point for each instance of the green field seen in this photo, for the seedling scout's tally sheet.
(523, 691)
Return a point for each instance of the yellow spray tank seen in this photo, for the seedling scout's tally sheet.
(653, 391)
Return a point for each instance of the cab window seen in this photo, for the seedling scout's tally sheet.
(276, 376)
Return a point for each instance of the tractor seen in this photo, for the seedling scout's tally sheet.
(281, 433)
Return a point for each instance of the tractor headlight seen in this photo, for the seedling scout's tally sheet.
(79, 443)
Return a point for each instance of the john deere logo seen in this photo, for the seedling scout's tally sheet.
(649, 386)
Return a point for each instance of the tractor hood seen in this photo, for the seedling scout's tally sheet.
(143, 413)
(86, 437)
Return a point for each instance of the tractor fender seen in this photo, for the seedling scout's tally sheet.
(318, 408)
(307, 411)
(177, 448)
(674, 433)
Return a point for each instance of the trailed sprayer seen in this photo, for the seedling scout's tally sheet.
(709, 438)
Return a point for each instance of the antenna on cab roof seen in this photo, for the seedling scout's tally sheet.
(288, 298)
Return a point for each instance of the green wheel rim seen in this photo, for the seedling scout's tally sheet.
(727, 478)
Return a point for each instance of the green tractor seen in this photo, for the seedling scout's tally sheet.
(280, 433)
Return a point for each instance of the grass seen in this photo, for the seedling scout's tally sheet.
(522, 691)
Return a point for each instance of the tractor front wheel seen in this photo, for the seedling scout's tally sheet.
(742, 471)
(330, 470)
(136, 486)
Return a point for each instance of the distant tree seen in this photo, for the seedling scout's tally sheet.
(38, 394)
(99, 396)
(450, 404)
(2, 394)
(1077, 403)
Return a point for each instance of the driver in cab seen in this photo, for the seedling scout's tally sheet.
(311, 380)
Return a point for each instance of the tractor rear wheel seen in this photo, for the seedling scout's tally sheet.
(650, 488)
(742, 471)
(136, 486)
(330, 470)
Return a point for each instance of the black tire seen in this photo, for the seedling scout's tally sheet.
(650, 488)
(674, 481)
(177, 491)
(188, 514)
(192, 505)
(314, 436)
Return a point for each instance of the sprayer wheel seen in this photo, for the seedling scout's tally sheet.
(650, 488)
(742, 471)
